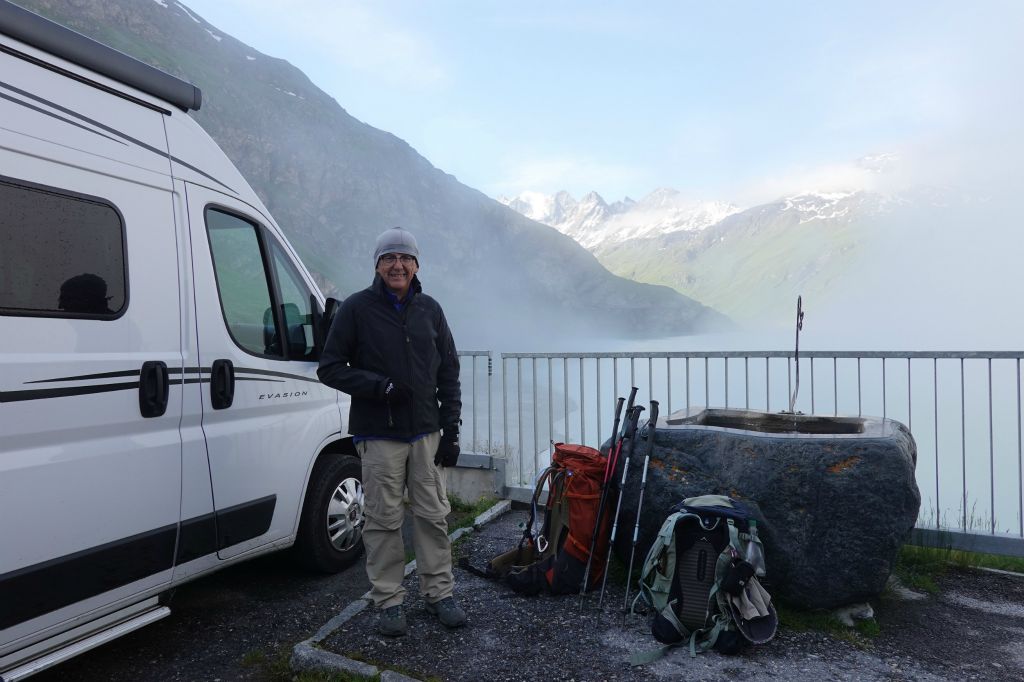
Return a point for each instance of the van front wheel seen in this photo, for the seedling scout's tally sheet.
(330, 535)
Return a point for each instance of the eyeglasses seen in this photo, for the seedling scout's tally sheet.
(389, 259)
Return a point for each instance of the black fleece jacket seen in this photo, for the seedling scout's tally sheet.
(370, 342)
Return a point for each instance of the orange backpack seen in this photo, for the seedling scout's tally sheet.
(556, 558)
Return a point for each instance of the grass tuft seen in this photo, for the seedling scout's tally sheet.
(801, 620)
(254, 657)
(464, 513)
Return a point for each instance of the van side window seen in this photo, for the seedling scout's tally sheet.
(295, 301)
(61, 255)
(242, 282)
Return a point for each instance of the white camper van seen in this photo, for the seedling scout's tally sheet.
(160, 414)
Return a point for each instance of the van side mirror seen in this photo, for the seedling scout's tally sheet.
(322, 320)
(330, 308)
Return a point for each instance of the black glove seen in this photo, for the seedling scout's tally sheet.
(396, 393)
(447, 454)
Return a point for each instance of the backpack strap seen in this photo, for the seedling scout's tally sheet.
(651, 655)
(708, 636)
(704, 639)
(530, 534)
(654, 587)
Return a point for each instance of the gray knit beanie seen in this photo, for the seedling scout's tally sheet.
(396, 240)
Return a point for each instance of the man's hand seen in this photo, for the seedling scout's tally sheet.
(447, 454)
(396, 393)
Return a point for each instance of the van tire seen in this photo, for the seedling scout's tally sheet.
(334, 506)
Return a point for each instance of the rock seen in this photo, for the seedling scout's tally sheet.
(847, 615)
(832, 509)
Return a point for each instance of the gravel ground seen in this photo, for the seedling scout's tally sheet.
(237, 624)
(973, 630)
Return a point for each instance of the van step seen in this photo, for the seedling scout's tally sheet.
(52, 658)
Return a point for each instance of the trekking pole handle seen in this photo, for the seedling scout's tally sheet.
(632, 418)
(629, 406)
(652, 423)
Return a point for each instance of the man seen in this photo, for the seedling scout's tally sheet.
(390, 348)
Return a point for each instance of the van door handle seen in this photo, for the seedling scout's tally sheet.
(222, 384)
(154, 388)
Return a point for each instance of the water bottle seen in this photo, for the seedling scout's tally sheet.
(754, 552)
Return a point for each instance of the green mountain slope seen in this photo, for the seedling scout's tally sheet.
(753, 264)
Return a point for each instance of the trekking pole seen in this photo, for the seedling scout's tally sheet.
(651, 424)
(609, 466)
(614, 450)
(632, 418)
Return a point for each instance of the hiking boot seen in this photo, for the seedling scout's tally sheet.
(391, 621)
(448, 612)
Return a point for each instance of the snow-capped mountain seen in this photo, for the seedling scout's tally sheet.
(595, 224)
(741, 261)
(834, 206)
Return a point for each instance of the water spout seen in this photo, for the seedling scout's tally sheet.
(796, 353)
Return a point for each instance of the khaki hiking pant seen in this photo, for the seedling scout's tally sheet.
(389, 469)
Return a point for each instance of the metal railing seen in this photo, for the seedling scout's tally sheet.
(473, 387)
(964, 409)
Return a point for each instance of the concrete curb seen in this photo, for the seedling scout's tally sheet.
(307, 656)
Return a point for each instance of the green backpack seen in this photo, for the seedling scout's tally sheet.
(699, 584)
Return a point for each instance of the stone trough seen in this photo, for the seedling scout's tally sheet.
(834, 497)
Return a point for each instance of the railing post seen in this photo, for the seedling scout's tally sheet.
(519, 415)
(726, 361)
(687, 384)
(789, 378)
(615, 381)
(551, 410)
(860, 410)
(707, 384)
(910, 411)
(473, 379)
(811, 360)
(835, 386)
(490, 444)
(935, 400)
(565, 398)
(746, 382)
(991, 455)
(533, 388)
(668, 384)
(884, 412)
(583, 407)
(504, 414)
(1020, 461)
(963, 444)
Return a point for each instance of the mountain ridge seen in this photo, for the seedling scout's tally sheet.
(595, 224)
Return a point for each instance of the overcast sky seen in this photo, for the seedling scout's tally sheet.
(739, 101)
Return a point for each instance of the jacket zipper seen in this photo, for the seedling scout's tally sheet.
(408, 343)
